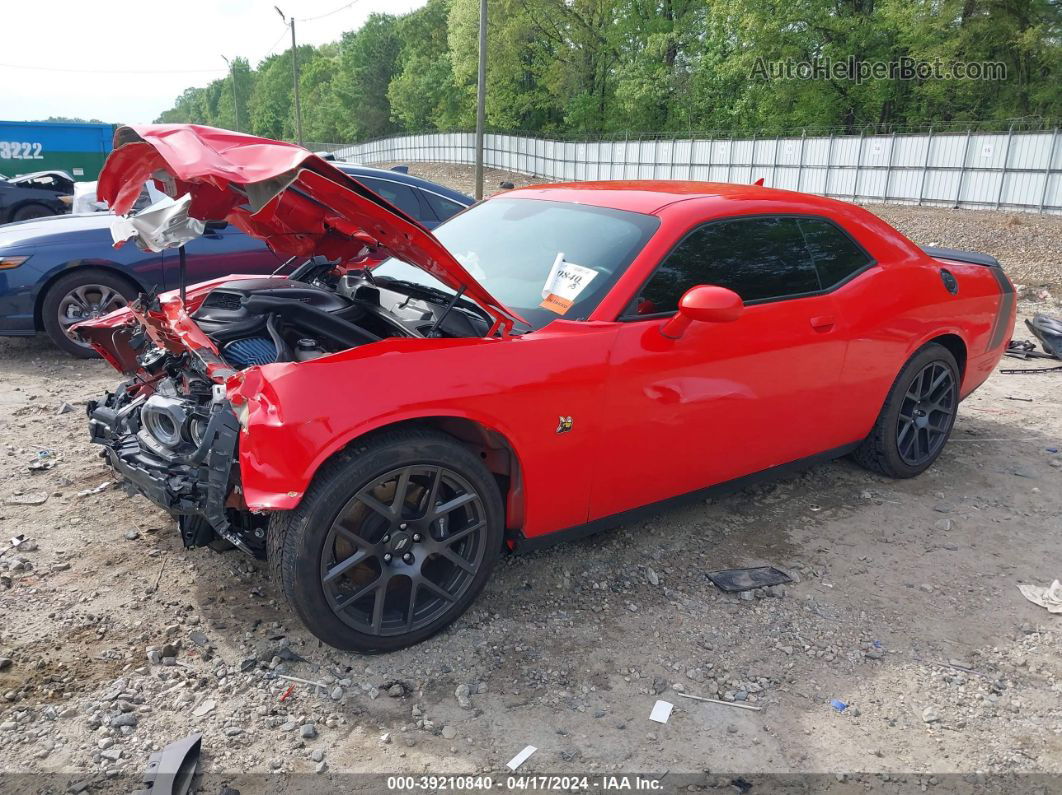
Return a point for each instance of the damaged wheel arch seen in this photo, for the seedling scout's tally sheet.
(493, 446)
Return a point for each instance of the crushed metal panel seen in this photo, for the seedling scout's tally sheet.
(735, 580)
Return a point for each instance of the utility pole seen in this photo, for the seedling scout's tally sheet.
(481, 96)
(235, 101)
(294, 78)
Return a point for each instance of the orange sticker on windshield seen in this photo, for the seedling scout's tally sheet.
(554, 303)
(565, 282)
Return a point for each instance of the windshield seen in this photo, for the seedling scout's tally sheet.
(542, 259)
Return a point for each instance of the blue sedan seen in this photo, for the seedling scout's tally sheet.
(58, 271)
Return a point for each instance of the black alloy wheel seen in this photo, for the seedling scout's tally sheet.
(391, 542)
(403, 550)
(917, 417)
(927, 414)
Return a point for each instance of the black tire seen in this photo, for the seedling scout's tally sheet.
(303, 543)
(29, 211)
(58, 303)
(907, 424)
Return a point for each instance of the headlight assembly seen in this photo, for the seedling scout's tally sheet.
(7, 263)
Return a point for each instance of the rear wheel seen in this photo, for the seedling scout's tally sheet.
(917, 417)
(82, 295)
(391, 543)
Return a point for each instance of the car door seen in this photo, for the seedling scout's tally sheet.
(220, 251)
(725, 399)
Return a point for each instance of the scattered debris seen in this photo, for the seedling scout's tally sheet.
(171, 770)
(1050, 597)
(734, 580)
(661, 711)
(17, 540)
(44, 460)
(300, 681)
(838, 705)
(34, 498)
(94, 490)
(737, 704)
(205, 708)
(158, 577)
(1048, 330)
(521, 757)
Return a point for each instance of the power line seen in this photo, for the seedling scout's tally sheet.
(330, 13)
(111, 71)
(275, 43)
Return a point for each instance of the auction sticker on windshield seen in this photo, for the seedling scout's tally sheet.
(565, 282)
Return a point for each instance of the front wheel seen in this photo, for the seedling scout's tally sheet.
(917, 417)
(391, 543)
(30, 211)
(84, 294)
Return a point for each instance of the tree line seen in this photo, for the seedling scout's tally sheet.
(571, 67)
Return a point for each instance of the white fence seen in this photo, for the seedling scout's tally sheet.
(1004, 170)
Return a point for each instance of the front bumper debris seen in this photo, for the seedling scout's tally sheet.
(192, 485)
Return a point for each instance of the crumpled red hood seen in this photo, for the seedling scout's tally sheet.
(289, 197)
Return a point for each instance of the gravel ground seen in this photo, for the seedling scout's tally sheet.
(114, 640)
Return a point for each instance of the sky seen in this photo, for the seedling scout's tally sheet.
(87, 55)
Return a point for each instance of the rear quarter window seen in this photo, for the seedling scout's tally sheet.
(837, 257)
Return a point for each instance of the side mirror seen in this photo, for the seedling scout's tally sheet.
(706, 304)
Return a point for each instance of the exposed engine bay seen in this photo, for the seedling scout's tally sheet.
(261, 321)
(171, 432)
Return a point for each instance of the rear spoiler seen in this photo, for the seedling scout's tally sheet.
(957, 255)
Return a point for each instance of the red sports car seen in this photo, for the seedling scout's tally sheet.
(381, 424)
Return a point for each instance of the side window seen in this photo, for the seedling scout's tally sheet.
(758, 258)
(401, 196)
(443, 208)
(836, 255)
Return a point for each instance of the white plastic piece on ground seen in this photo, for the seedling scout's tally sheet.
(521, 757)
(661, 711)
(165, 224)
(1050, 598)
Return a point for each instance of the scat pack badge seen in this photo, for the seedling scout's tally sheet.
(564, 424)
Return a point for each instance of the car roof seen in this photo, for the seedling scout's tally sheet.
(355, 170)
(652, 196)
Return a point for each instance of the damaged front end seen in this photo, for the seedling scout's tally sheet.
(173, 429)
(170, 431)
(174, 441)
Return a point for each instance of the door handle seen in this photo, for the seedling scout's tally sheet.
(823, 322)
